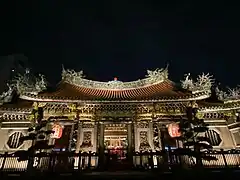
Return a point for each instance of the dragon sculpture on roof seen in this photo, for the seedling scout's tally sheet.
(230, 94)
(24, 83)
(203, 83)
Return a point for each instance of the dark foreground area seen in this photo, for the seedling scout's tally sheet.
(226, 174)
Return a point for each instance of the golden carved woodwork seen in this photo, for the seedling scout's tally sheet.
(87, 125)
(87, 136)
(41, 104)
(142, 125)
(144, 144)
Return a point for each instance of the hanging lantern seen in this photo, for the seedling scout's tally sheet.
(57, 131)
(173, 130)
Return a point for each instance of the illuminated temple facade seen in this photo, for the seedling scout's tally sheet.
(97, 116)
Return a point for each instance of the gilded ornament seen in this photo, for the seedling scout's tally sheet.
(199, 115)
(72, 107)
(35, 105)
(6, 96)
(231, 94)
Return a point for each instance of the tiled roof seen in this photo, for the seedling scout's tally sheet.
(67, 91)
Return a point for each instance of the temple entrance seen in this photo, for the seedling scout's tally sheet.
(115, 139)
(116, 146)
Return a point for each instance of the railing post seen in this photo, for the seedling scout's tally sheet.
(158, 160)
(89, 159)
(224, 158)
(50, 162)
(140, 155)
(30, 163)
(151, 160)
(83, 161)
(79, 161)
(170, 155)
(4, 160)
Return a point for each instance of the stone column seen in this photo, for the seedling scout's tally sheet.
(71, 137)
(130, 144)
(79, 137)
(94, 149)
(136, 137)
(101, 145)
(159, 136)
(150, 135)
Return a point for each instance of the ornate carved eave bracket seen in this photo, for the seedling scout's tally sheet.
(203, 83)
(231, 96)
(77, 78)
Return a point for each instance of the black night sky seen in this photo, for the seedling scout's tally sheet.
(118, 38)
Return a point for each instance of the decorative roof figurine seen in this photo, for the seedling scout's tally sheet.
(22, 84)
(203, 83)
(27, 83)
(231, 94)
(6, 96)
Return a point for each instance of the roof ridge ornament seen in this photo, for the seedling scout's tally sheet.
(203, 83)
(22, 84)
(78, 79)
(27, 83)
(229, 95)
(6, 96)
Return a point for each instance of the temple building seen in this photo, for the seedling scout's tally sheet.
(95, 116)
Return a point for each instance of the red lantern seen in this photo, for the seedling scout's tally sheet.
(173, 130)
(57, 131)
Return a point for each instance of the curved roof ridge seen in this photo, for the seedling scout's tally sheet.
(153, 77)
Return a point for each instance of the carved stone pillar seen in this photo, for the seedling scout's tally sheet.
(79, 137)
(71, 137)
(159, 136)
(130, 143)
(95, 138)
(101, 145)
(150, 134)
(143, 136)
(87, 139)
(136, 137)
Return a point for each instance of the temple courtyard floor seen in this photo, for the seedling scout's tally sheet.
(213, 174)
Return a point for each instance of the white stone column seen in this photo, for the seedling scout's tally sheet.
(94, 141)
(159, 136)
(136, 137)
(150, 135)
(101, 146)
(101, 138)
(130, 143)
